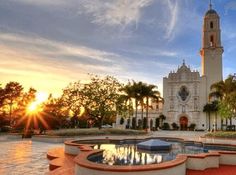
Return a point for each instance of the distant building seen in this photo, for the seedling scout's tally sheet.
(186, 91)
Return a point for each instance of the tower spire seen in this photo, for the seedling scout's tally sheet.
(210, 5)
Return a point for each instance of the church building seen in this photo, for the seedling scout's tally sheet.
(187, 91)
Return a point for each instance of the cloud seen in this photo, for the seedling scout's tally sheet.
(44, 64)
(54, 48)
(50, 65)
(42, 2)
(115, 12)
(173, 12)
(153, 52)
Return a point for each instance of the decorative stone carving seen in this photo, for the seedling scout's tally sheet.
(183, 93)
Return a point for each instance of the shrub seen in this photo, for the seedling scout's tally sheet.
(192, 126)
(122, 120)
(93, 131)
(145, 123)
(175, 126)
(140, 124)
(157, 122)
(128, 124)
(222, 134)
(133, 123)
(5, 129)
(166, 126)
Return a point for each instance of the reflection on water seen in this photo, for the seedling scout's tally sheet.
(21, 157)
(128, 154)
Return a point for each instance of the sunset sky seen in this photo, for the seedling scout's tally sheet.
(48, 43)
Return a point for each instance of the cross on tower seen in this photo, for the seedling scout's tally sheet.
(210, 5)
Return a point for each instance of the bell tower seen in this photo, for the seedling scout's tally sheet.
(212, 50)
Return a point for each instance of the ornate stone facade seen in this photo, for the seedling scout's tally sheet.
(182, 96)
(186, 92)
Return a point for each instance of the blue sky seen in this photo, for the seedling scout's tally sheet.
(48, 43)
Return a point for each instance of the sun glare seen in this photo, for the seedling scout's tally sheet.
(35, 106)
(41, 97)
(32, 107)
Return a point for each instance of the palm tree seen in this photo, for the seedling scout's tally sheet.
(208, 108)
(150, 92)
(127, 97)
(215, 108)
(136, 96)
(140, 98)
(224, 91)
(133, 91)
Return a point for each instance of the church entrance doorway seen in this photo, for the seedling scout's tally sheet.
(183, 121)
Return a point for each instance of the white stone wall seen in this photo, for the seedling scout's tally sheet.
(152, 115)
(178, 170)
(174, 106)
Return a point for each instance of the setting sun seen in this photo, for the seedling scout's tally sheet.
(32, 107)
(36, 106)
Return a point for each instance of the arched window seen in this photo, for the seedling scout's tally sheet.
(212, 40)
(211, 25)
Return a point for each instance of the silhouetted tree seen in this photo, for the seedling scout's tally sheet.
(12, 93)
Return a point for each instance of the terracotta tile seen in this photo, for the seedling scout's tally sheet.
(222, 170)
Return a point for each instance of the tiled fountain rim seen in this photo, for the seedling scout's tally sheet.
(82, 160)
(75, 142)
(86, 151)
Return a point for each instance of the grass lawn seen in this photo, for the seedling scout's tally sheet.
(94, 131)
(222, 134)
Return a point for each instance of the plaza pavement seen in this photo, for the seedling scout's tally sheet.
(187, 135)
(29, 157)
(193, 135)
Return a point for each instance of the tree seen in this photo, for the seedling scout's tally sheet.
(124, 106)
(162, 117)
(135, 87)
(141, 92)
(124, 103)
(209, 108)
(133, 91)
(20, 112)
(150, 92)
(54, 114)
(12, 94)
(1, 98)
(157, 123)
(26, 99)
(98, 98)
(71, 99)
(225, 91)
(122, 120)
(215, 109)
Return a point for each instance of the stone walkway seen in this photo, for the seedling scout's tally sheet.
(18, 157)
(192, 135)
